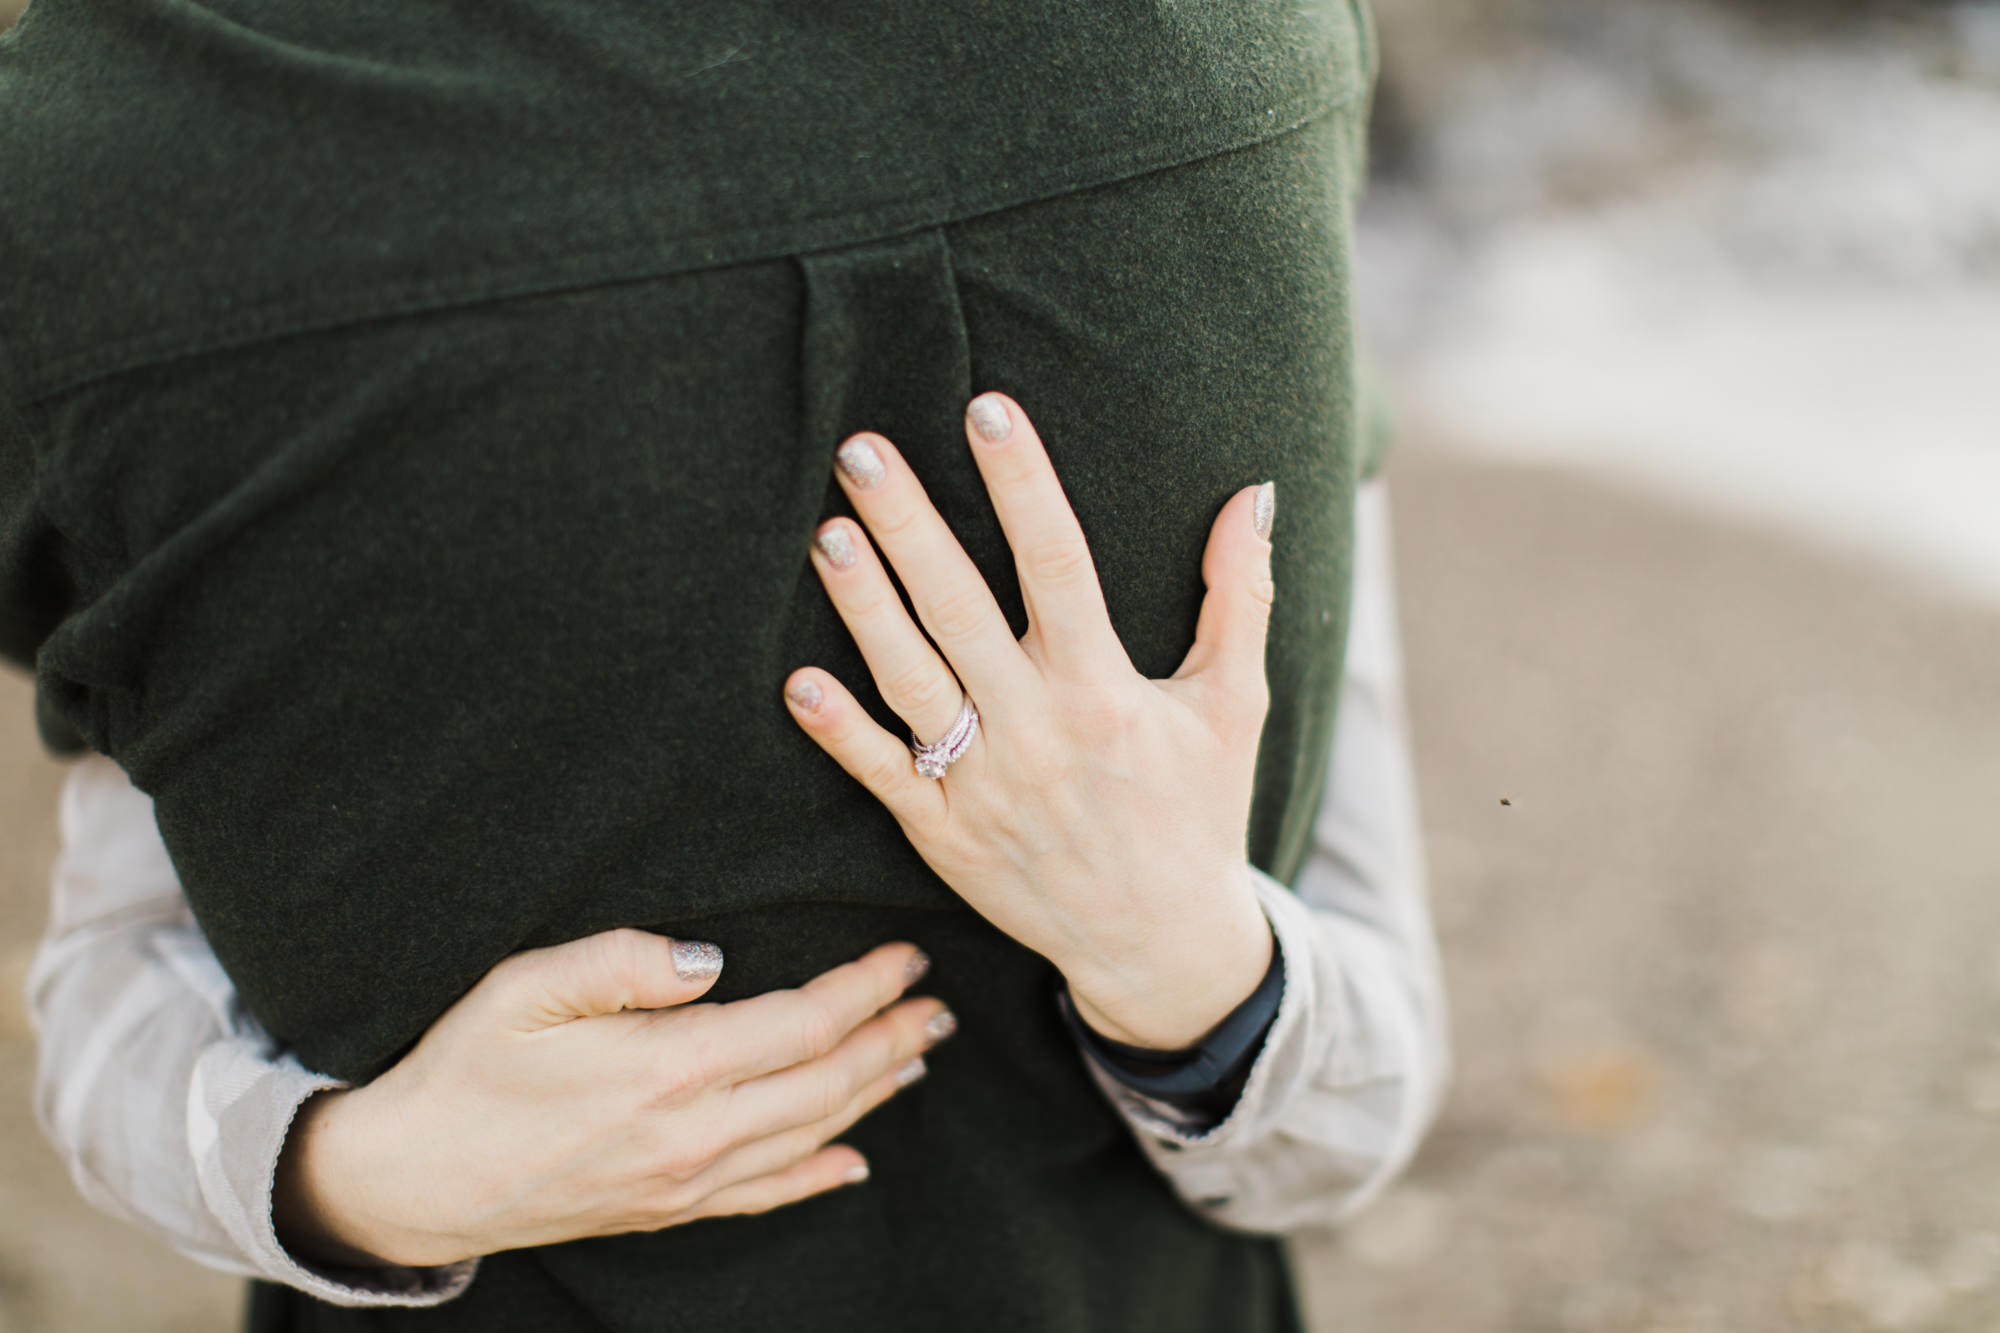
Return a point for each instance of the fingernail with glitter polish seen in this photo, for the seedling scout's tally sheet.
(856, 1173)
(836, 546)
(990, 418)
(806, 695)
(913, 971)
(1264, 509)
(910, 1072)
(696, 960)
(942, 1024)
(860, 464)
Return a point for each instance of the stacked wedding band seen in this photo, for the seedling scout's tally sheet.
(934, 759)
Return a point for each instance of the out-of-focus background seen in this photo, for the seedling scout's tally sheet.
(1691, 313)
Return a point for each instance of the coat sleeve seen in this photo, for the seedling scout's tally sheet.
(168, 1103)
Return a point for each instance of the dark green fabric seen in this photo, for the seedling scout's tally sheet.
(416, 154)
(415, 417)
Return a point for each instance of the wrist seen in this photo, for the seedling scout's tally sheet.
(318, 1208)
(1184, 986)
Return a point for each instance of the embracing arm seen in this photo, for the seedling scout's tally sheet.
(169, 1103)
(576, 1090)
(172, 1107)
(1354, 1065)
(1099, 817)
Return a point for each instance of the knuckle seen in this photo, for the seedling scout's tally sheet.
(919, 687)
(1058, 564)
(684, 1070)
(830, 1093)
(881, 773)
(869, 604)
(861, 986)
(515, 971)
(886, 772)
(849, 725)
(958, 613)
(607, 965)
(619, 953)
(892, 521)
(798, 1144)
(819, 1029)
(671, 1200)
(683, 1157)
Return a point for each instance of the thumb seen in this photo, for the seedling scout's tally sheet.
(602, 974)
(1228, 654)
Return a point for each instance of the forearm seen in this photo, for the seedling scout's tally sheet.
(168, 1103)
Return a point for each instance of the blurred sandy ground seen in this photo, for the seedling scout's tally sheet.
(1694, 316)
(1692, 319)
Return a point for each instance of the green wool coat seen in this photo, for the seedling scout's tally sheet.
(413, 419)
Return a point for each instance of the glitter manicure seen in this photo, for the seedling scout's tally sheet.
(1265, 509)
(696, 960)
(836, 546)
(860, 464)
(990, 418)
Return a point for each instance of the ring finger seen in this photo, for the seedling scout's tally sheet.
(913, 679)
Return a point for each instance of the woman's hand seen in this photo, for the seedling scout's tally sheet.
(576, 1091)
(1099, 817)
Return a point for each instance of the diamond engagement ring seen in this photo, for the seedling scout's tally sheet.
(933, 760)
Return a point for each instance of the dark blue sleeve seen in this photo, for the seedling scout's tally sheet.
(1203, 1082)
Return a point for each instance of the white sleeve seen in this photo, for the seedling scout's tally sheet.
(1355, 1064)
(169, 1103)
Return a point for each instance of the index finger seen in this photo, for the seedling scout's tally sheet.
(1058, 577)
(778, 1029)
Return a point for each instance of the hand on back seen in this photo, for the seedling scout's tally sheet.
(1096, 816)
(582, 1090)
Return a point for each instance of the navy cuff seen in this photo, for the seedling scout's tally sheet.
(1205, 1081)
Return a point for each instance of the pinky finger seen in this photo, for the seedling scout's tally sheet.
(874, 758)
(828, 1169)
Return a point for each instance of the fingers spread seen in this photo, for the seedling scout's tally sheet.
(877, 760)
(913, 679)
(1228, 654)
(950, 596)
(1058, 577)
